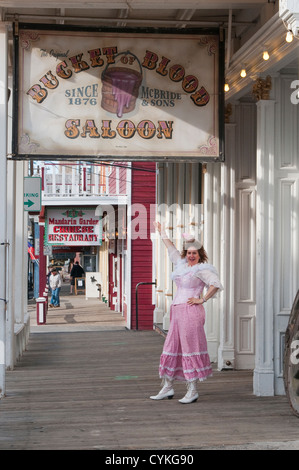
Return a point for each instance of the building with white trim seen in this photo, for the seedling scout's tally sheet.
(250, 201)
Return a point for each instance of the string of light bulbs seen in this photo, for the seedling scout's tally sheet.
(289, 35)
(266, 56)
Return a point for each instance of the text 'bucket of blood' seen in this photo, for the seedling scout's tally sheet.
(120, 86)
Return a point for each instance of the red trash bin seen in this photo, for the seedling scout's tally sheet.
(41, 310)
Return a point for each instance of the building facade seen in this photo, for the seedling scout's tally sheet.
(245, 209)
(250, 208)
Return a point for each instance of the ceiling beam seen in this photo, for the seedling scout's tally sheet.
(184, 15)
(135, 4)
(100, 21)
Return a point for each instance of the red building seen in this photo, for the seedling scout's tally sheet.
(103, 188)
(143, 192)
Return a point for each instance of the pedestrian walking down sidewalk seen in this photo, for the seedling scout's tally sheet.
(55, 285)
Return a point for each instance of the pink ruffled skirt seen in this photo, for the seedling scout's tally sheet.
(185, 355)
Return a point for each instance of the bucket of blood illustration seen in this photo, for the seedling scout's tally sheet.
(120, 88)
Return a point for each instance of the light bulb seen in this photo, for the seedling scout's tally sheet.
(266, 55)
(289, 36)
(243, 73)
(226, 87)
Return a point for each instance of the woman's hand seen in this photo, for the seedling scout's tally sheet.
(168, 243)
(157, 226)
(194, 301)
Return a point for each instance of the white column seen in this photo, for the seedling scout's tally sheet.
(84, 180)
(96, 170)
(43, 174)
(159, 308)
(169, 229)
(63, 178)
(53, 171)
(11, 227)
(194, 226)
(25, 246)
(20, 268)
(74, 185)
(211, 230)
(226, 350)
(180, 227)
(128, 292)
(263, 382)
(3, 199)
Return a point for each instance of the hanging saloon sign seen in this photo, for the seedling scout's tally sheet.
(118, 94)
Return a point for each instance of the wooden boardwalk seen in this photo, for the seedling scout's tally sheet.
(89, 389)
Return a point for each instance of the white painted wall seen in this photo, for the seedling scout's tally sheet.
(259, 234)
(251, 234)
(286, 216)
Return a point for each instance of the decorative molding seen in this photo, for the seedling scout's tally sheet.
(210, 148)
(245, 167)
(26, 146)
(210, 43)
(261, 88)
(273, 32)
(246, 330)
(287, 158)
(289, 13)
(245, 245)
(288, 196)
(26, 37)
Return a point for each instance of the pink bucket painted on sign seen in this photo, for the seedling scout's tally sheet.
(120, 88)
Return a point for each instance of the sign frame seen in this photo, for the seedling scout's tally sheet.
(18, 153)
(32, 206)
(69, 231)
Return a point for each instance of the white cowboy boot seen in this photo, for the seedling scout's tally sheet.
(166, 391)
(191, 394)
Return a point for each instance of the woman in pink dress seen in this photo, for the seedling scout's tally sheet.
(185, 355)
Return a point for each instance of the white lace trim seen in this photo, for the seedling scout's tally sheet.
(184, 354)
(182, 379)
(183, 268)
(187, 371)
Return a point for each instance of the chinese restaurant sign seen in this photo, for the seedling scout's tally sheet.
(72, 227)
(120, 95)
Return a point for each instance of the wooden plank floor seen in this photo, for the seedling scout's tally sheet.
(90, 390)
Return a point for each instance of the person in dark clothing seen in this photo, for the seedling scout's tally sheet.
(77, 271)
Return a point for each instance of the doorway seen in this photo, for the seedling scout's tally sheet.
(89, 263)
